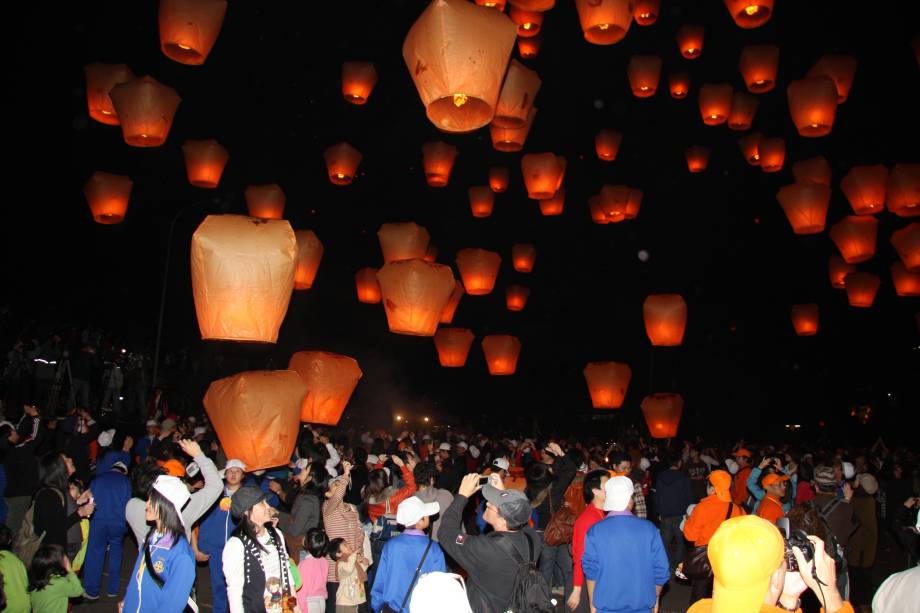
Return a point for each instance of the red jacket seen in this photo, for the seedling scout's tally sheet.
(590, 516)
(375, 510)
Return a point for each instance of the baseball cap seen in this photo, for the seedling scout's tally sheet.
(120, 466)
(501, 464)
(732, 466)
(644, 464)
(173, 467)
(462, 444)
(411, 510)
(442, 592)
(722, 482)
(868, 483)
(235, 464)
(152, 423)
(774, 478)
(744, 553)
(106, 437)
(444, 447)
(618, 492)
(848, 471)
(474, 451)
(245, 498)
(174, 491)
(825, 476)
(512, 504)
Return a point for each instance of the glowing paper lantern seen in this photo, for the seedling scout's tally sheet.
(697, 158)
(523, 256)
(596, 208)
(644, 72)
(204, 162)
(607, 383)
(100, 79)
(438, 159)
(543, 174)
(330, 379)
(367, 286)
(840, 68)
(511, 139)
(534, 5)
(805, 319)
(482, 200)
(256, 415)
(478, 269)
(494, 4)
(309, 255)
(529, 48)
(414, 294)
(759, 65)
(813, 105)
(555, 205)
(662, 414)
(715, 100)
(498, 178)
(457, 53)
(634, 202)
(855, 237)
(906, 242)
(604, 22)
(614, 200)
(864, 187)
(805, 205)
(358, 81)
(750, 13)
(447, 314)
(679, 84)
(905, 283)
(242, 277)
(145, 107)
(501, 352)
(342, 163)
(607, 144)
(528, 23)
(453, 345)
(402, 241)
(837, 269)
(265, 201)
(750, 147)
(772, 154)
(516, 99)
(862, 288)
(744, 107)
(815, 170)
(645, 12)
(665, 318)
(108, 196)
(690, 40)
(189, 28)
(516, 297)
(904, 190)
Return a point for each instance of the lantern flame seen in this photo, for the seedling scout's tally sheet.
(460, 100)
(604, 26)
(752, 9)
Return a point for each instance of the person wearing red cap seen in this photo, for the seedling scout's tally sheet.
(739, 489)
(771, 507)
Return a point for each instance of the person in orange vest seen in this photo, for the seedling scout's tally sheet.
(739, 489)
(771, 507)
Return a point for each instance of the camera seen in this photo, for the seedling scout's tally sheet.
(795, 538)
(483, 480)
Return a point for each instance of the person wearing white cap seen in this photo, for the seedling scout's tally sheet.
(406, 556)
(142, 446)
(442, 592)
(164, 572)
(111, 491)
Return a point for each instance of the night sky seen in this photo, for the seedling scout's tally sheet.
(270, 93)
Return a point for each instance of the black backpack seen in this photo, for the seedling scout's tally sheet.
(529, 594)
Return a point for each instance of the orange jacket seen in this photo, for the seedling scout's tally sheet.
(706, 518)
(739, 487)
(375, 510)
(770, 509)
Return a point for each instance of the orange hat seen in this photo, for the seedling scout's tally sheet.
(743, 453)
(744, 553)
(774, 478)
(174, 468)
(722, 482)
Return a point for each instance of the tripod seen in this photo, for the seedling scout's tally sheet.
(54, 397)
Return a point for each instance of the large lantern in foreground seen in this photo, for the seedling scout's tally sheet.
(100, 79)
(665, 318)
(805, 319)
(772, 153)
(358, 81)
(414, 294)
(662, 414)
(679, 84)
(555, 205)
(447, 313)
(690, 40)
(402, 241)
(330, 379)
(862, 288)
(367, 286)
(108, 196)
(604, 22)
(815, 170)
(456, 53)
(501, 352)
(453, 345)
(511, 139)
(189, 28)
(759, 65)
(523, 256)
(813, 105)
(840, 68)
(715, 100)
(204, 162)
(744, 107)
(644, 72)
(864, 187)
(837, 270)
(145, 108)
(517, 96)
(478, 269)
(905, 283)
(543, 174)
(906, 242)
(697, 158)
(855, 237)
(438, 159)
(265, 201)
(498, 178)
(607, 383)
(242, 277)
(342, 163)
(805, 206)
(904, 190)
(309, 254)
(607, 144)
(516, 297)
(482, 200)
(750, 13)
(256, 415)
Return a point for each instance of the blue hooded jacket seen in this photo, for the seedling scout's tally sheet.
(174, 562)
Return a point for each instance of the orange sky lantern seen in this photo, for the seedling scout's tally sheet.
(492, 4)
(634, 202)
(517, 96)
(478, 269)
(862, 288)
(715, 100)
(665, 318)
(750, 147)
(367, 286)
(457, 53)
(903, 190)
(905, 283)
(204, 162)
(523, 256)
(543, 174)
(607, 144)
(596, 208)
(697, 158)
(108, 196)
(662, 414)
(759, 65)
(864, 188)
(772, 153)
(813, 105)
(529, 48)
(805, 206)
(516, 297)
(242, 276)
(607, 383)
(553, 206)
(498, 178)
(511, 139)
(644, 72)
(604, 22)
(482, 200)
(750, 13)
(453, 346)
(614, 200)
(414, 293)
(855, 237)
(358, 81)
(906, 242)
(805, 319)
(645, 12)
(309, 255)
(330, 379)
(265, 201)
(840, 68)
(534, 5)
(189, 28)
(679, 84)
(690, 40)
(450, 309)
(744, 107)
(501, 352)
(438, 159)
(342, 163)
(402, 241)
(838, 269)
(814, 170)
(145, 107)
(100, 79)
(528, 23)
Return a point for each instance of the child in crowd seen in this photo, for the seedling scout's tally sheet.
(351, 588)
(76, 490)
(52, 582)
(311, 597)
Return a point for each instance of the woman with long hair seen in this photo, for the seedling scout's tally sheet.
(52, 582)
(308, 490)
(57, 514)
(164, 572)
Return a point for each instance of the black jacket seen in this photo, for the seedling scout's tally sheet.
(672, 493)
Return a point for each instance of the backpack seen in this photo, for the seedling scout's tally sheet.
(529, 593)
(27, 542)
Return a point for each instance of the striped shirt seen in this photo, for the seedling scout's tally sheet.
(341, 521)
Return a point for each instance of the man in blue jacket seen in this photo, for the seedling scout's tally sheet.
(216, 528)
(402, 555)
(624, 560)
(111, 491)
